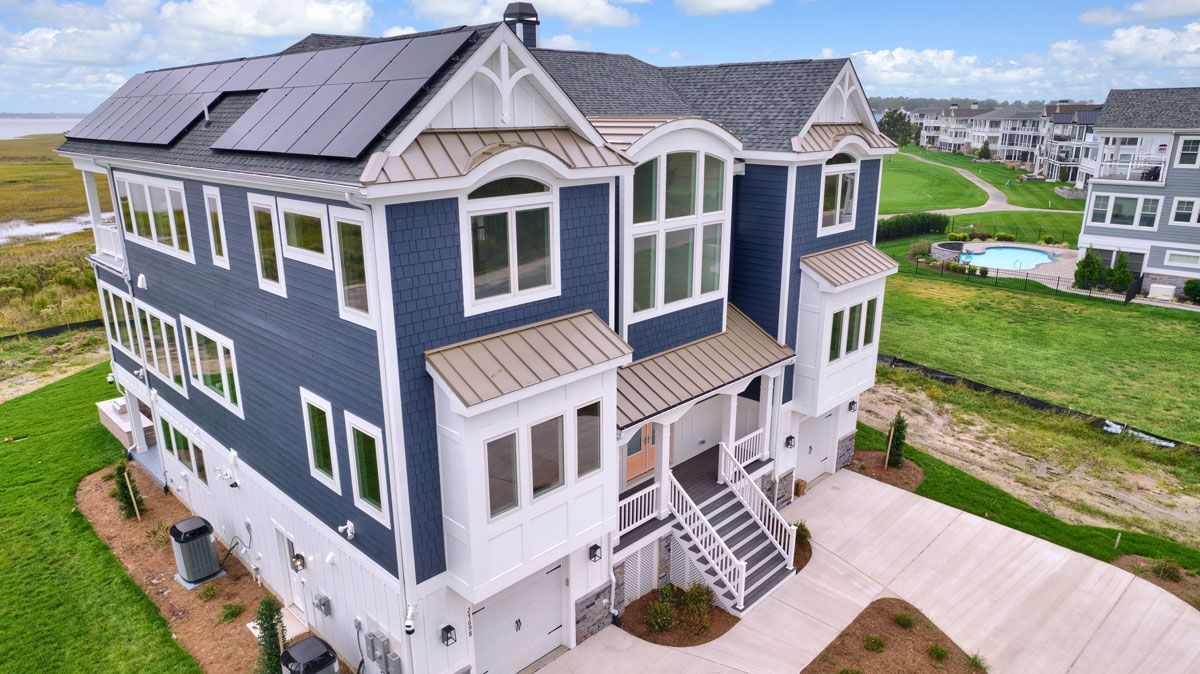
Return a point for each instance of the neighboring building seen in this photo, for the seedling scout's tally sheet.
(468, 343)
(956, 127)
(1145, 197)
(1070, 147)
(1013, 134)
(927, 123)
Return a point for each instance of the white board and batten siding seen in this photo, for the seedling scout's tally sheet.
(480, 103)
(356, 586)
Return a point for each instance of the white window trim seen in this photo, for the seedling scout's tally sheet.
(212, 192)
(150, 360)
(518, 471)
(324, 259)
(575, 417)
(1137, 211)
(280, 287)
(1186, 265)
(194, 372)
(525, 445)
(863, 326)
(102, 288)
(838, 169)
(358, 217)
(354, 422)
(473, 207)
(1179, 153)
(307, 398)
(133, 180)
(1192, 220)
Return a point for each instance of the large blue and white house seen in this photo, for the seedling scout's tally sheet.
(469, 343)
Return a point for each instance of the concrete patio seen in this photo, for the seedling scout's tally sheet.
(1024, 604)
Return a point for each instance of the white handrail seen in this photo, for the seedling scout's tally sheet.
(108, 240)
(749, 447)
(637, 509)
(770, 520)
(718, 555)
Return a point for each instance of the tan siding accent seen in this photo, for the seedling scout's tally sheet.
(825, 137)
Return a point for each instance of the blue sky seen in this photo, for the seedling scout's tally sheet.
(58, 55)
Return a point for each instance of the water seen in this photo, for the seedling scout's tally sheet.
(16, 231)
(12, 127)
(1007, 257)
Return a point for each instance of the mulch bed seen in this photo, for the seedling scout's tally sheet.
(144, 549)
(1186, 588)
(905, 650)
(633, 620)
(802, 555)
(907, 477)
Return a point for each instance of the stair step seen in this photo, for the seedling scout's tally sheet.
(733, 524)
(750, 544)
(763, 571)
(769, 583)
(723, 498)
(761, 556)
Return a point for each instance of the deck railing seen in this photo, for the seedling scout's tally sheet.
(637, 509)
(730, 569)
(781, 533)
(1143, 169)
(108, 240)
(749, 448)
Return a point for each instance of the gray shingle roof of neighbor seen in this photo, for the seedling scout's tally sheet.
(1175, 108)
(1012, 112)
(764, 104)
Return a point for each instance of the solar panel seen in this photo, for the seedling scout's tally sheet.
(246, 122)
(270, 122)
(281, 71)
(367, 62)
(334, 119)
(363, 127)
(251, 70)
(320, 67)
(424, 57)
(310, 110)
(218, 77)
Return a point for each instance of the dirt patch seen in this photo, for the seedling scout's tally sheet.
(906, 477)
(633, 620)
(904, 650)
(33, 378)
(144, 549)
(1150, 499)
(1186, 588)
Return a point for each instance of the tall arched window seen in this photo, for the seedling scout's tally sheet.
(838, 194)
(513, 243)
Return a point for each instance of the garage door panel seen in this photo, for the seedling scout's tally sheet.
(502, 648)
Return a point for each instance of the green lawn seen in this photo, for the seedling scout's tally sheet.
(910, 186)
(1030, 195)
(946, 484)
(1028, 226)
(1135, 363)
(68, 604)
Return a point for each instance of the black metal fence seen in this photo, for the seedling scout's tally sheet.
(1023, 233)
(1044, 284)
(55, 330)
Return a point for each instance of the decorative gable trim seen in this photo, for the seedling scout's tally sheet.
(844, 101)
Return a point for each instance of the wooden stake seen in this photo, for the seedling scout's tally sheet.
(887, 450)
(132, 496)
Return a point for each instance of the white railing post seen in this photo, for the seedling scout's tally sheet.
(712, 547)
(769, 519)
(637, 509)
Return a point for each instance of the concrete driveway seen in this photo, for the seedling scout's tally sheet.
(1024, 604)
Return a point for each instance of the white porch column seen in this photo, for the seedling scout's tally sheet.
(767, 417)
(662, 466)
(93, 204)
(728, 425)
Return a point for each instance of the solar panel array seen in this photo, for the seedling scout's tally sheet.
(329, 103)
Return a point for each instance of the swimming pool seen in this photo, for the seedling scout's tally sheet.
(1007, 257)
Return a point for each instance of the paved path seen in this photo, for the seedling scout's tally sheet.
(1024, 604)
(997, 200)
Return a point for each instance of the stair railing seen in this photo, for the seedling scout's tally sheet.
(768, 517)
(712, 547)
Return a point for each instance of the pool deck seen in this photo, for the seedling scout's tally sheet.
(1062, 266)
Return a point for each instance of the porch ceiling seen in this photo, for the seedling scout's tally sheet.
(656, 384)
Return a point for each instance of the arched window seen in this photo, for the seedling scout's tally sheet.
(838, 194)
(513, 244)
(507, 187)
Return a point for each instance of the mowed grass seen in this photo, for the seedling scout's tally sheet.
(68, 604)
(40, 186)
(1133, 363)
(946, 484)
(910, 186)
(1027, 226)
(1029, 195)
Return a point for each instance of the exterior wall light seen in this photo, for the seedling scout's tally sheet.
(594, 553)
(853, 406)
(790, 442)
(298, 562)
(449, 637)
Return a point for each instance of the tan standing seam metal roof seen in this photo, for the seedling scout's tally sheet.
(824, 137)
(450, 153)
(623, 131)
(847, 264)
(656, 384)
(485, 368)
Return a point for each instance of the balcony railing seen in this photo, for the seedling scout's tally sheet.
(638, 509)
(730, 569)
(1142, 170)
(108, 240)
(749, 448)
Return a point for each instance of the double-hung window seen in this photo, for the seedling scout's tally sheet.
(216, 226)
(154, 214)
(319, 437)
(352, 264)
(187, 452)
(160, 346)
(367, 468)
(510, 245)
(838, 194)
(268, 254)
(1184, 211)
(212, 364)
(305, 231)
(1188, 155)
(119, 320)
(680, 218)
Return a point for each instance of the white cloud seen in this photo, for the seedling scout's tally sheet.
(267, 18)
(399, 30)
(719, 6)
(566, 41)
(585, 13)
(1143, 11)
(675, 55)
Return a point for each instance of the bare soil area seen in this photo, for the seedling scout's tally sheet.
(904, 649)
(1186, 588)
(1150, 499)
(21, 372)
(907, 476)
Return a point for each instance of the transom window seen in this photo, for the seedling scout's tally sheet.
(305, 231)
(1183, 259)
(513, 244)
(839, 193)
(367, 468)
(154, 215)
(216, 226)
(853, 328)
(1124, 211)
(319, 438)
(679, 220)
(212, 365)
(1189, 153)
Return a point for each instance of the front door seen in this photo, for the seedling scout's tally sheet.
(639, 453)
(814, 446)
(520, 624)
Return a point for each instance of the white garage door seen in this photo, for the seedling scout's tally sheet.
(520, 624)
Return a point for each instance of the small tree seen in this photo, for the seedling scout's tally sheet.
(125, 491)
(1119, 277)
(985, 151)
(271, 635)
(1191, 290)
(894, 124)
(916, 133)
(1090, 270)
(895, 455)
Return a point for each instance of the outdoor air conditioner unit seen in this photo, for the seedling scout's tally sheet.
(195, 550)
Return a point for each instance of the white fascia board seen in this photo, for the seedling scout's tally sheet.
(711, 128)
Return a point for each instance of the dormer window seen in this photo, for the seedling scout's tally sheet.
(512, 244)
(838, 194)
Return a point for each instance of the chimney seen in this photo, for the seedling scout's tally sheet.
(974, 105)
(954, 106)
(522, 18)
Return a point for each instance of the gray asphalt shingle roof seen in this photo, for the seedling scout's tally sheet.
(1176, 108)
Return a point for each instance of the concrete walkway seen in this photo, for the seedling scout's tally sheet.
(997, 200)
(1024, 604)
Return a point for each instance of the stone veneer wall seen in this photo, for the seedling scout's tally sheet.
(1164, 279)
(591, 612)
(766, 483)
(1071, 192)
(845, 452)
(946, 251)
(784, 489)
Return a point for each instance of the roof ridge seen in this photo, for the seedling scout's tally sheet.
(730, 64)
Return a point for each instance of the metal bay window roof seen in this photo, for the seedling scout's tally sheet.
(847, 264)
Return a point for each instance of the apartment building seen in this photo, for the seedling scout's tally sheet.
(1070, 148)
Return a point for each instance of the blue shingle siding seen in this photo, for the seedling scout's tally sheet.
(424, 249)
(756, 253)
(658, 334)
(280, 344)
(805, 240)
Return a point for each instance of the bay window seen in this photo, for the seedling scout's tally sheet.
(502, 474)
(679, 263)
(512, 244)
(852, 328)
(838, 194)
(546, 455)
(681, 185)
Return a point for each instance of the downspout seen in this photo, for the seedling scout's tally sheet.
(612, 585)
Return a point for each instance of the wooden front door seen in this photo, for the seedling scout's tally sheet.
(639, 453)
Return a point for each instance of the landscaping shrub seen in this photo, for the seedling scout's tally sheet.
(980, 236)
(1005, 236)
(909, 224)
(920, 248)
(954, 267)
(802, 532)
(126, 492)
(1191, 290)
(985, 151)
(874, 643)
(668, 593)
(1090, 270)
(694, 620)
(977, 662)
(699, 597)
(983, 271)
(230, 612)
(896, 453)
(1167, 570)
(271, 635)
(1048, 240)
(209, 592)
(937, 652)
(660, 616)
(905, 620)
(1119, 277)
(956, 236)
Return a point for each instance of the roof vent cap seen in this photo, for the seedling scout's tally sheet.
(522, 18)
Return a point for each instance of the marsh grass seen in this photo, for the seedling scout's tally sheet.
(45, 283)
(40, 186)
